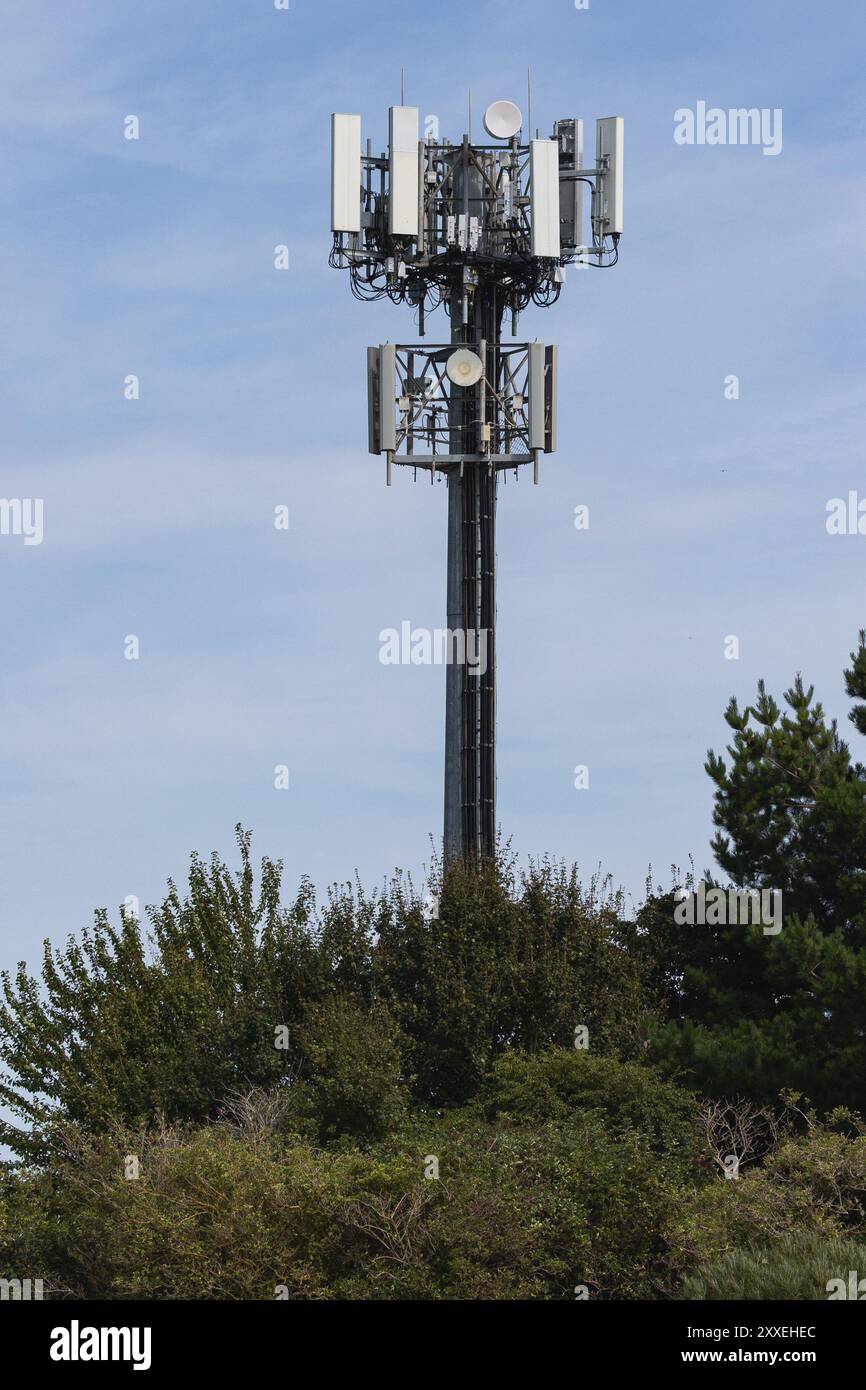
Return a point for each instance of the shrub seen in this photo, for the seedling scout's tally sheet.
(812, 1184)
(236, 1208)
(554, 1085)
(355, 1071)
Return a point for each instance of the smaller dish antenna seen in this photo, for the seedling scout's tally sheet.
(502, 119)
(464, 367)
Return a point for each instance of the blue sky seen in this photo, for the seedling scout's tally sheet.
(260, 647)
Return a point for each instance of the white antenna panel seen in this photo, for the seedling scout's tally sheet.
(345, 173)
(544, 192)
(536, 395)
(403, 170)
(609, 144)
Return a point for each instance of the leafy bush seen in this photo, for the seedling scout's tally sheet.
(449, 1207)
(353, 1055)
(553, 1085)
(812, 1184)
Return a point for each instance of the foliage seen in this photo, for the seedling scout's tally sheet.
(757, 1011)
(794, 1267)
(791, 807)
(508, 961)
(484, 1202)
(125, 1026)
(366, 1098)
(628, 1097)
(117, 1033)
(812, 1183)
(234, 1210)
(354, 1086)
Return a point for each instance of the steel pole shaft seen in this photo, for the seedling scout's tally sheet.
(470, 695)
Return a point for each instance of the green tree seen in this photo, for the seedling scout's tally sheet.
(791, 804)
(762, 1011)
(130, 1026)
(125, 1027)
(507, 961)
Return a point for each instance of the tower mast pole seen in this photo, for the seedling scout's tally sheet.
(470, 691)
(483, 229)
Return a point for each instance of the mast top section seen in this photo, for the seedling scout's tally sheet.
(429, 219)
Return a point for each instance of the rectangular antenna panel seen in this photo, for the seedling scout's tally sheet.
(570, 135)
(609, 143)
(381, 398)
(403, 171)
(542, 397)
(550, 401)
(536, 394)
(387, 397)
(544, 192)
(374, 433)
(345, 173)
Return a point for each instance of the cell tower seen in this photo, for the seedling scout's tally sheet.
(482, 230)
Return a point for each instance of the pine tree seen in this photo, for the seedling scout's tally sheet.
(791, 807)
(762, 1012)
